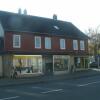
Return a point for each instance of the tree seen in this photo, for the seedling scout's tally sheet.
(94, 41)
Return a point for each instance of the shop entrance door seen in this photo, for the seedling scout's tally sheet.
(49, 65)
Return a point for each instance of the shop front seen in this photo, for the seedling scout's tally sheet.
(81, 63)
(28, 64)
(60, 64)
(48, 64)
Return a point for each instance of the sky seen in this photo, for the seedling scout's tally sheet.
(84, 14)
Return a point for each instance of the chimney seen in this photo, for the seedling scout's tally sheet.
(55, 17)
(19, 11)
(25, 12)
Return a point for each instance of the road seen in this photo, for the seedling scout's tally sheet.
(74, 89)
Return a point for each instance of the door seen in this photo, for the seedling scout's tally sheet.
(49, 65)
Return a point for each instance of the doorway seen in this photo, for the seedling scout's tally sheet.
(48, 64)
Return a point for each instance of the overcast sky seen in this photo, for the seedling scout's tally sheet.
(82, 13)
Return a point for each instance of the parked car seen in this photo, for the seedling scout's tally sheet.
(94, 65)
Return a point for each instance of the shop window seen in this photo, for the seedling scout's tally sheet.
(16, 41)
(62, 44)
(47, 43)
(37, 42)
(27, 64)
(75, 44)
(60, 63)
(77, 62)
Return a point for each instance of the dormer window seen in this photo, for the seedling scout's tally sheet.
(56, 27)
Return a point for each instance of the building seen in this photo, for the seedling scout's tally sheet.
(35, 45)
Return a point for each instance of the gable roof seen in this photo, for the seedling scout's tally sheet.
(27, 23)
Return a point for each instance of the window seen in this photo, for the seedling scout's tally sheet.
(27, 64)
(62, 44)
(56, 27)
(37, 42)
(61, 62)
(82, 46)
(16, 41)
(47, 43)
(75, 44)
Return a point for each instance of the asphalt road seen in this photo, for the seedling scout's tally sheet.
(75, 89)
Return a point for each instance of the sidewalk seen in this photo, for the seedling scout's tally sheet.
(39, 79)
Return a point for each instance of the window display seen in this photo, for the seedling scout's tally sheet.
(27, 64)
(60, 63)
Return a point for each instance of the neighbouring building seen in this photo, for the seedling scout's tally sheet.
(36, 45)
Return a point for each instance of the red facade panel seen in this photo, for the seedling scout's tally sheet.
(55, 43)
(8, 41)
(69, 44)
(28, 43)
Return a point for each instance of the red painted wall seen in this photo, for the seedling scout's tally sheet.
(28, 43)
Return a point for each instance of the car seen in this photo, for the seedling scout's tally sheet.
(94, 65)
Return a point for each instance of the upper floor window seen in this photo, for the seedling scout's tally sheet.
(82, 45)
(75, 44)
(47, 43)
(16, 41)
(62, 44)
(37, 42)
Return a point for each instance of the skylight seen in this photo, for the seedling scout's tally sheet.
(56, 27)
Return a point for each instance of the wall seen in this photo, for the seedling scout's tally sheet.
(71, 63)
(7, 65)
(28, 41)
(1, 69)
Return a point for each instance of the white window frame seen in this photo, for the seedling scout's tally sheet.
(37, 37)
(82, 45)
(62, 44)
(16, 42)
(75, 44)
(47, 43)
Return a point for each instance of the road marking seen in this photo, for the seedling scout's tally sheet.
(67, 84)
(52, 91)
(80, 85)
(9, 98)
(42, 88)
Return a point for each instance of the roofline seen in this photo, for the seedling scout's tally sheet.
(31, 16)
(38, 33)
(28, 15)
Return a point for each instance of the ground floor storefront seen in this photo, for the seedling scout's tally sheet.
(42, 64)
(81, 62)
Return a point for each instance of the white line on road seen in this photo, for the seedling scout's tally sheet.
(9, 98)
(80, 85)
(52, 91)
(42, 88)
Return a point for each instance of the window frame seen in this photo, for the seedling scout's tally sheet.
(14, 41)
(38, 37)
(75, 44)
(48, 43)
(82, 45)
(62, 46)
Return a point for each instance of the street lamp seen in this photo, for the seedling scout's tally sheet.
(97, 40)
